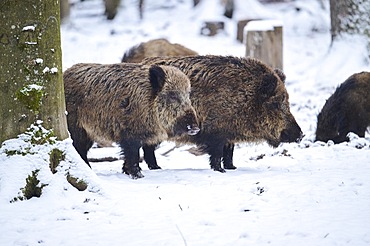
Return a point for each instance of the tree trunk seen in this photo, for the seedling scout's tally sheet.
(141, 9)
(31, 82)
(350, 17)
(111, 7)
(64, 9)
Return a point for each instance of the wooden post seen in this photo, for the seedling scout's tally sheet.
(264, 41)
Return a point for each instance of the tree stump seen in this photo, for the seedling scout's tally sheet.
(211, 28)
(264, 41)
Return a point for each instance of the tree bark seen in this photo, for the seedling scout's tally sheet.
(64, 9)
(111, 7)
(350, 17)
(31, 82)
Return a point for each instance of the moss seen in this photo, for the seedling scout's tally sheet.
(40, 138)
(33, 188)
(11, 152)
(38, 135)
(56, 156)
(31, 96)
(23, 152)
(16, 199)
(79, 184)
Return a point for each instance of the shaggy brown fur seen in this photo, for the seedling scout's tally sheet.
(155, 47)
(236, 100)
(130, 104)
(347, 110)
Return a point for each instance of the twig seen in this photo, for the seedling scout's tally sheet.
(182, 236)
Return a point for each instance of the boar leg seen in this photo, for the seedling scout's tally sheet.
(228, 154)
(81, 142)
(357, 127)
(131, 166)
(215, 150)
(149, 156)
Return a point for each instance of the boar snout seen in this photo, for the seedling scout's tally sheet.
(291, 134)
(187, 124)
(193, 129)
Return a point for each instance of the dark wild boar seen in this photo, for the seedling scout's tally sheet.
(347, 110)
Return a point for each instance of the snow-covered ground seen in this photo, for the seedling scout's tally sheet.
(309, 193)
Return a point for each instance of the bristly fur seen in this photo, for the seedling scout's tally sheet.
(236, 100)
(346, 110)
(130, 104)
(155, 47)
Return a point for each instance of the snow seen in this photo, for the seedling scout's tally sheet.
(262, 25)
(53, 70)
(39, 60)
(46, 70)
(28, 28)
(31, 43)
(31, 87)
(311, 193)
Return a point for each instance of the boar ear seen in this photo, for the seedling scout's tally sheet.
(157, 78)
(280, 73)
(268, 85)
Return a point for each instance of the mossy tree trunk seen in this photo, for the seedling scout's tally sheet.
(31, 82)
(350, 17)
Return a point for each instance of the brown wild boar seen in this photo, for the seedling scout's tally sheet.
(347, 110)
(236, 100)
(155, 47)
(130, 104)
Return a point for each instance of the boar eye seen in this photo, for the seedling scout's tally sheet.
(279, 103)
(173, 97)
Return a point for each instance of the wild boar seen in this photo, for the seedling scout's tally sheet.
(131, 104)
(346, 110)
(236, 100)
(155, 47)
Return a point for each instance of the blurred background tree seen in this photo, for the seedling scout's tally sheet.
(350, 17)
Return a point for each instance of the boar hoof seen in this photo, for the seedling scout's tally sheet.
(133, 173)
(219, 169)
(230, 167)
(137, 175)
(154, 167)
